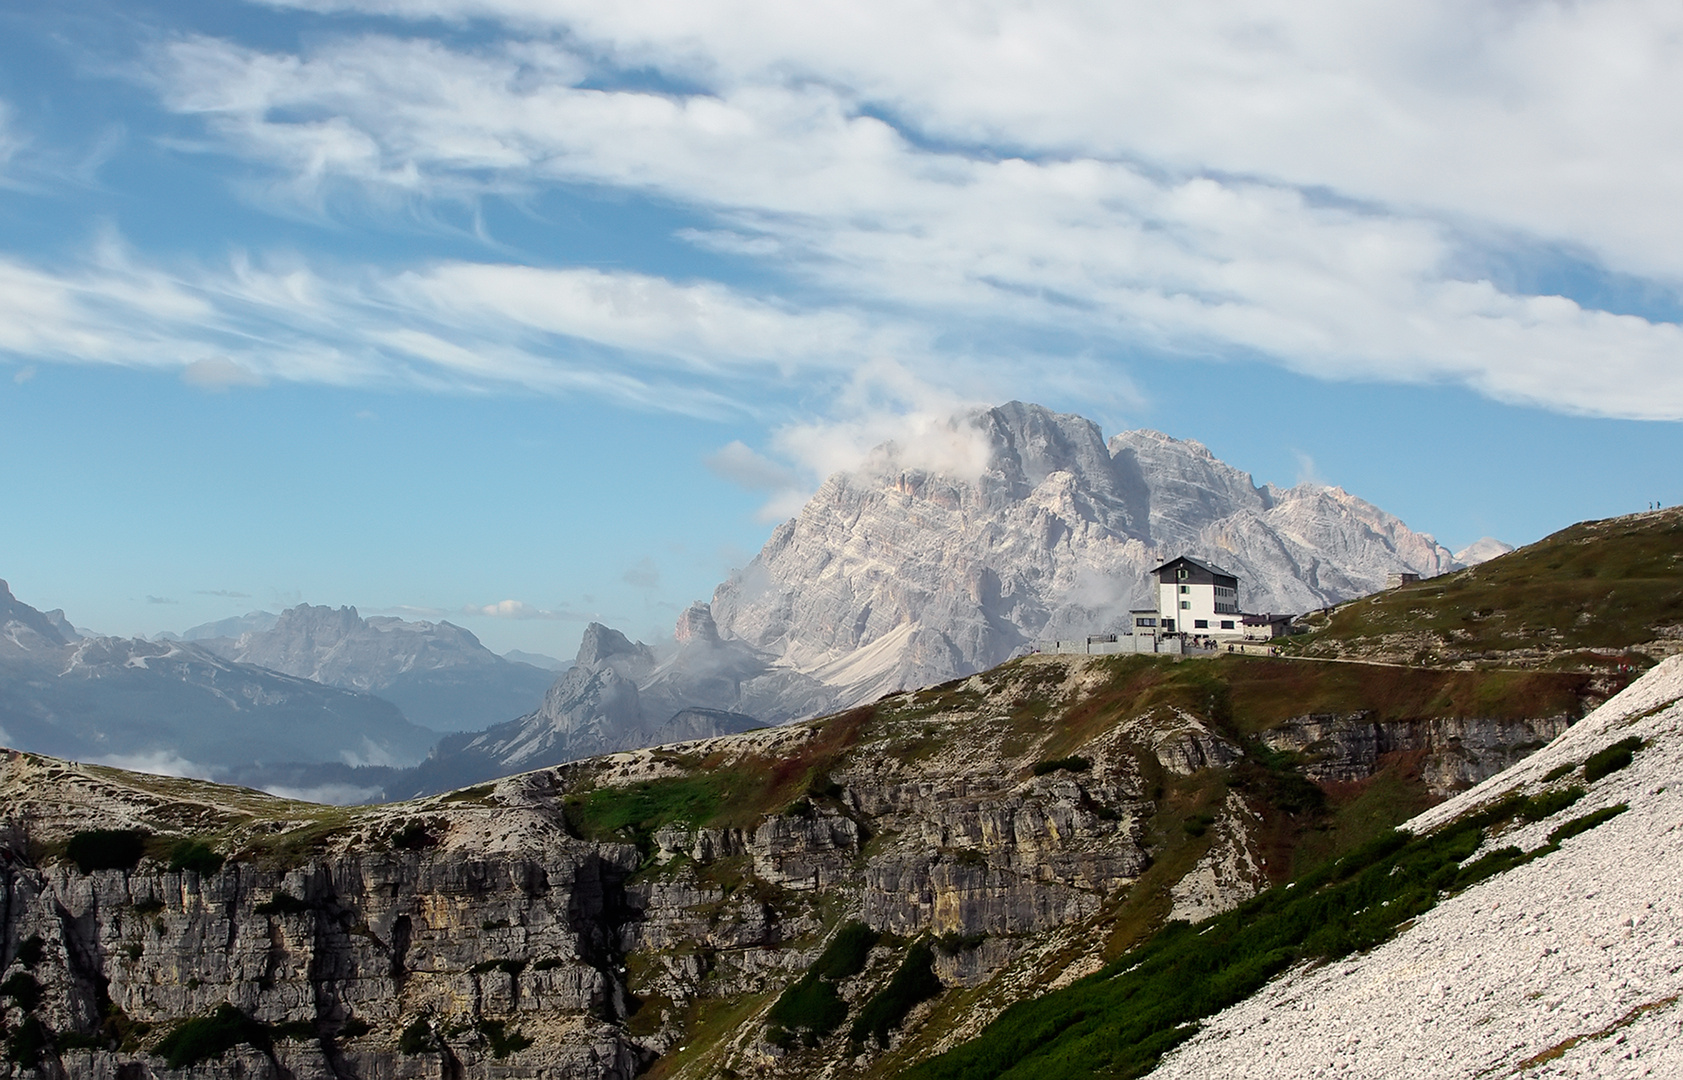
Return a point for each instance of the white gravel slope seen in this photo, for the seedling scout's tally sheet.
(1584, 944)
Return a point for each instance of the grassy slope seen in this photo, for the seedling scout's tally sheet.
(1615, 584)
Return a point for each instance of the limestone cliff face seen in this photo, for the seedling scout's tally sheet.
(588, 920)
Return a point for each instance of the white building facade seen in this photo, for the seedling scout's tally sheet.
(1195, 598)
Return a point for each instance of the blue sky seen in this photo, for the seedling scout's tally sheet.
(527, 312)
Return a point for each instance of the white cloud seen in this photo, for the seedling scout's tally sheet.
(519, 609)
(331, 794)
(1557, 119)
(451, 327)
(158, 762)
(1300, 185)
(742, 465)
(216, 373)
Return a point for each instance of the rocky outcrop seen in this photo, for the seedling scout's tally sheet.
(584, 920)
(1456, 752)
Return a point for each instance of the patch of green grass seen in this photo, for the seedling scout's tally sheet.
(914, 982)
(847, 952)
(477, 793)
(1607, 584)
(633, 813)
(813, 1004)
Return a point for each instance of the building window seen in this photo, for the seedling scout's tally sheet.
(1186, 588)
(1186, 605)
(1227, 624)
(1145, 622)
(1200, 624)
(1181, 574)
(1168, 626)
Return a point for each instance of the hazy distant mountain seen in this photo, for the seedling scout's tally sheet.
(619, 695)
(437, 673)
(1481, 551)
(537, 660)
(176, 707)
(231, 627)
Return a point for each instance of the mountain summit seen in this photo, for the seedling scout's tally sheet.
(895, 576)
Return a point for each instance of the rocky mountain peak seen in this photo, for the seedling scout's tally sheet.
(602, 643)
(696, 624)
(26, 627)
(947, 573)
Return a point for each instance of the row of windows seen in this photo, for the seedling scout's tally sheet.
(1204, 624)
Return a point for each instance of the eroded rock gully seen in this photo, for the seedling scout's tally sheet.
(501, 932)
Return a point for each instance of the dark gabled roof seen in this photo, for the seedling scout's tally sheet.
(1206, 567)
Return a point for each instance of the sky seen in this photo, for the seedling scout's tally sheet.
(525, 313)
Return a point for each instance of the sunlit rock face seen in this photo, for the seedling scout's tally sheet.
(894, 576)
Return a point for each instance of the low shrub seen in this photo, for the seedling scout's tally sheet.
(1559, 771)
(417, 1037)
(811, 1004)
(502, 1043)
(31, 950)
(196, 856)
(414, 837)
(1610, 759)
(24, 989)
(913, 982)
(354, 1028)
(952, 942)
(1550, 803)
(150, 906)
(206, 1037)
(29, 1043)
(1585, 823)
(1198, 824)
(847, 952)
(106, 849)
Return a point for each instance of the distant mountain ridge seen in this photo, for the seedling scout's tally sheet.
(436, 672)
(177, 707)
